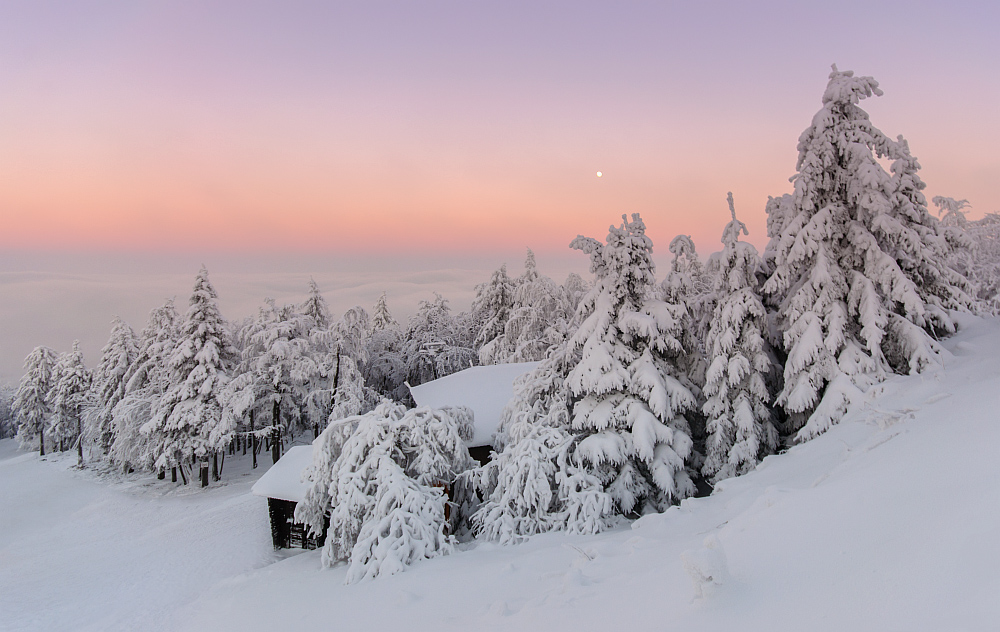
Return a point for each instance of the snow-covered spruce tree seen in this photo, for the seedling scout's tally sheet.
(921, 246)
(385, 368)
(690, 284)
(8, 420)
(598, 429)
(739, 424)
(108, 388)
(435, 345)
(71, 384)
(341, 391)
(534, 483)
(539, 317)
(630, 398)
(188, 422)
(982, 262)
(147, 379)
(858, 278)
(316, 308)
(574, 288)
(31, 404)
(274, 378)
(381, 476)
(491, 309)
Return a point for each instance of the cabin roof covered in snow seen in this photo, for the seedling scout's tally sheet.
(284, 479)
(484, 389)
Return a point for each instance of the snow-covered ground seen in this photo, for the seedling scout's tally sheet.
(890, 521)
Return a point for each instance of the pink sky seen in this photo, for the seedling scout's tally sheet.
(176, 127)
(458, 132)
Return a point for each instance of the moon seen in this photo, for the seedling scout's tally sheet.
(599, 174)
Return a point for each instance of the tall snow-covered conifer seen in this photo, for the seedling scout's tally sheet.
(858, 277)
(630, 401)
(598, 428)
(68, 397)
(739, 421)
(31, 403)
(189, 421)
(108, 389)
(147, 379)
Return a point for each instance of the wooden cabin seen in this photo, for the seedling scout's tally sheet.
(283, 487)
(484, 389)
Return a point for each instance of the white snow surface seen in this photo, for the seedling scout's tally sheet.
(284, 479)
(888, 521)
(484, 389)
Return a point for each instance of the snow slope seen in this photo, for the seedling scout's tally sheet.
(889, 521)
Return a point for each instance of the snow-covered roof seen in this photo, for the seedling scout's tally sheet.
(484, 389)
(284, 479)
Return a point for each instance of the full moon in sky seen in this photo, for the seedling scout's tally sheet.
(599, 174)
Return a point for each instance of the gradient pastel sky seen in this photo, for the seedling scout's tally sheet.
(381, 139)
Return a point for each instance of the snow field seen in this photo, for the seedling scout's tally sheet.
(863, 528)
(888, 521)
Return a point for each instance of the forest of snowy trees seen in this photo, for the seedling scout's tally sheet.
(648, 390)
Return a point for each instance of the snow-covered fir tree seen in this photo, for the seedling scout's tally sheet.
(147, 379)
(981, 259)
(275, 375)
(108, 388)
(381, 477)
(630, 396)
(491, 308)
(385, 368)
(188, 422)
(690, 284)
(31, 403)
(598, 429)
(381, 316)
(71, 384)
(435, 345)
(858, 274)
(574, 289)
(539, 318)
(316, 308)
(8, 419)
(740, 430)
(534, 483)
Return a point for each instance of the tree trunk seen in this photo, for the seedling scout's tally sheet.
(161, 475)
(336, 380)
(183, 478)
(204, 473)
(215, 466)
(253, 439)
(173, 474)
(41, 443)
(275, 433)
(79, 439)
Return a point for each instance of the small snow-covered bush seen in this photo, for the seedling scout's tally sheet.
(382, 478)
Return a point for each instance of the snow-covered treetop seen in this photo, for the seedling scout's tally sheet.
(530, 268)
(844, 88)
(950, 210)
(315, 306)
(381, 318)
(731, 233)
(624, 265)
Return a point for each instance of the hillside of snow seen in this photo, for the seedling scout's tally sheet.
(889, 521)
